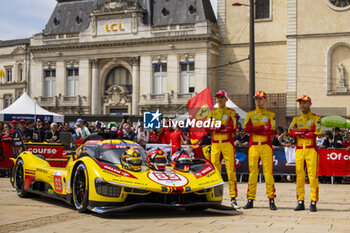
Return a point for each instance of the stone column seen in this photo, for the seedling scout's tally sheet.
(95, 106)
(135, 85)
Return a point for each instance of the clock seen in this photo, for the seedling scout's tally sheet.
(339, 4)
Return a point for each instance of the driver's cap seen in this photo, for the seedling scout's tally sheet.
(304, 98)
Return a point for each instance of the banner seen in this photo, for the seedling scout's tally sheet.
(334, 162)
(280, 165)
(198, 109)
(53, 153)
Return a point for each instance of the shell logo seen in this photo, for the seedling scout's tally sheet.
(2, 73)
(203, 112)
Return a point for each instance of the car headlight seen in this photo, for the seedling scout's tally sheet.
(106, 189)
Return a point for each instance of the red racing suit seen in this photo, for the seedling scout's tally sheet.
(305, 128)
(222, 145)
(260, 124)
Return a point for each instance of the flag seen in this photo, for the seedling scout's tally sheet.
(198, 109)
(2, 73)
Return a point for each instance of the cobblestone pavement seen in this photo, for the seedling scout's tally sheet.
(47, 215)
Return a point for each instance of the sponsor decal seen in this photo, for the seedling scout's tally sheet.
(115, 170)
(171, 179)
(206, 170)
(57, 180)
(42, 150)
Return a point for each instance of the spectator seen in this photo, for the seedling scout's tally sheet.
(13, 126)
(338, 138)
(128, 134)
(186, 136)
(165, 133)
(22, 126)
(67, 128)
(29, 131)
(53, 135)
(275, 140)
(242, 139)
(320, 139)
(289, 144)
(47, 126)
(176, 139)
(154, 136)
(346, 142)
(82, 131)
(39, 131)
(98, 125)
(142, 135)
(1, 127)
(328, 141)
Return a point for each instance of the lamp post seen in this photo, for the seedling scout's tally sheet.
(251, 52)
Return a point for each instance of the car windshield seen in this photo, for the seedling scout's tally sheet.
(112, 153)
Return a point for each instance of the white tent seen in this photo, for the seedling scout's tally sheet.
(25, 108)
(238, 110)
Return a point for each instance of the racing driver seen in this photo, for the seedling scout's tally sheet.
(222, 142)
(305, 128)
(260, 124)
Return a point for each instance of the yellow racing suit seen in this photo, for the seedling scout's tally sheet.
(305, 128)
(222, 145)
(260, 124)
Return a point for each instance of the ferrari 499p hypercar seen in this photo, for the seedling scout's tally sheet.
(113, 175)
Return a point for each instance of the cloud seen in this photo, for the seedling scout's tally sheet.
(23, 18)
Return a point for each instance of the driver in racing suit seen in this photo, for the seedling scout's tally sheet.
(222, 142)
(305, 129)
(260, 124)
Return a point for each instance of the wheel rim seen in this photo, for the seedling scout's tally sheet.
(79, 187)
(19, 178)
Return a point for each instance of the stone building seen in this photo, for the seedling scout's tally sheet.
(302, 47)
(120, 56)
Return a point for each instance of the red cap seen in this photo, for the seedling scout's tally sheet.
(260, 94)
(14, 122)
(304, 98)
(22, 121)
(221, 93)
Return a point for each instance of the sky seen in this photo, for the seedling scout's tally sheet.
(24, 18)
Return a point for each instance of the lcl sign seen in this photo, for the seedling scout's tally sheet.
(114, 27)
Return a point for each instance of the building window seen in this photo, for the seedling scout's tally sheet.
(186, 77)
(72, 81)
(20, 73)
(9, 75)
(159, 78)
(7, 100)
(262, 10)
(119, 76)
(49, 82)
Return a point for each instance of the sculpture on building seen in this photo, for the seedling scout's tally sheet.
(116, 5)
(116, 95)
(341, 84)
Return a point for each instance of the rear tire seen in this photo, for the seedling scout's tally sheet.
(19, 179)
(81, 189)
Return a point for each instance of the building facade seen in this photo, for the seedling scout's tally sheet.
(301, 47)
(121, 56)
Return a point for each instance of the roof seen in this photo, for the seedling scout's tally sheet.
(71, 16)
(8, 43)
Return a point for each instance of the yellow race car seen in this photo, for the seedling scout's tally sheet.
(116, 175)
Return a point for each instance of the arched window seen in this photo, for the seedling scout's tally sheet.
(119, 76)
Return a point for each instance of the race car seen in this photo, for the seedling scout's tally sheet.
(114, 175)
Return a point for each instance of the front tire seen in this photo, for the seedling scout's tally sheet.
(19, 179)
(81, 188)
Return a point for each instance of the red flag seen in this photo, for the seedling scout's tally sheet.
(198, 109)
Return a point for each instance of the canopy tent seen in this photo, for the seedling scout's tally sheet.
(238, 110)
(25, 108)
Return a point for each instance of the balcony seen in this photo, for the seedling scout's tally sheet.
(166, 98)
(62, 101)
